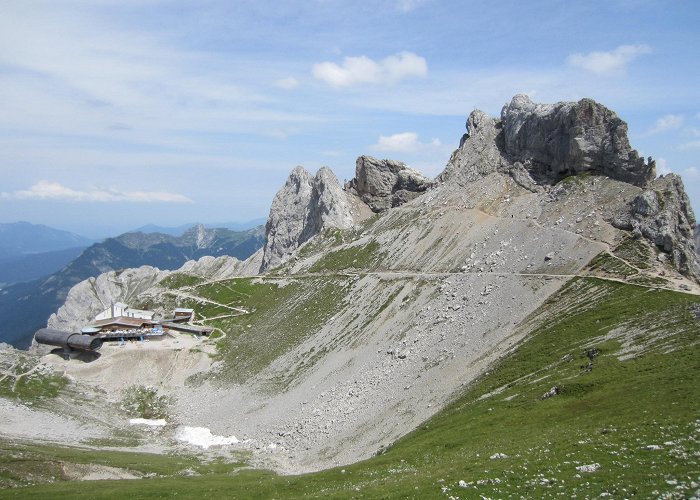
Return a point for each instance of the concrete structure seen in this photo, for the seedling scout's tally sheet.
(120, 309)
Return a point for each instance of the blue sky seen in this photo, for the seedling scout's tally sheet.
(118, 113)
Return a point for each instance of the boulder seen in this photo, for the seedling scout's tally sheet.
(383, 184)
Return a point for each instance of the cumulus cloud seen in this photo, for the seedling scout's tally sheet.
(288, 83)
(404, 142)
(363, 70)
(667, 122)
(53, 191)
(611, 62)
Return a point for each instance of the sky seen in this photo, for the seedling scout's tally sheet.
(120, 113)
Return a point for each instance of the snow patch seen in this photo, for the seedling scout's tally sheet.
(148, 421)
(201, 436)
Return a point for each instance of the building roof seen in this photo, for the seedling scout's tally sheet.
(123, 321)
(183, 310)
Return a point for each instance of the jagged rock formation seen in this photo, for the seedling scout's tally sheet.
(697, 239)
(301, 209)
(662, 214)
(539, 145)
(383, 184)
(307, 204)
(567, 138)
(547, 142)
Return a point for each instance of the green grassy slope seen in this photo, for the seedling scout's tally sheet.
(625, 362)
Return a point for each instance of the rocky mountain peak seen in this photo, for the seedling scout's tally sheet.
(569, 138)
(199, 236)
(304, 206)
(547, 142)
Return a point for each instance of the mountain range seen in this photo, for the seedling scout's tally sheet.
(23, 238)
(523, 325)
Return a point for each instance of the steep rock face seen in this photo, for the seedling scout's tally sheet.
(547, 142)
(383, 184)
(662, 214)
(697, 239)
(567, 138)
(301, 209)
(480, 153)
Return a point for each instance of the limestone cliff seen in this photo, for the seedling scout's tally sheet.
(301, 209)
(569, 138)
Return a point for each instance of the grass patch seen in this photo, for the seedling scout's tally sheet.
(180, 280)
(25, 464)
(280, 318)
(23, 379)
(609, 265)
(636, 252)
(365, 257)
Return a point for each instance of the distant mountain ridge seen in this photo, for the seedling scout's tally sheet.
(27, 306)
(20, 238)
(180, 230)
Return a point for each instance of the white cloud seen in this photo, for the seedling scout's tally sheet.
(408, 5)
(662, 167)
(691, 173)
(53, 191)
(667, 122)
(362, 69)
(281, 133)
(689, 145)
(288, 83)
(404, 142)
(611, 62)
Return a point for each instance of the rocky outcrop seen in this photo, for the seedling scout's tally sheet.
(383, 184)
(538, 145)
(223, 267)
(478, 154)
(568, 138)
(543, 143)
(697, 239)
(662, 214)
(301, 209)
